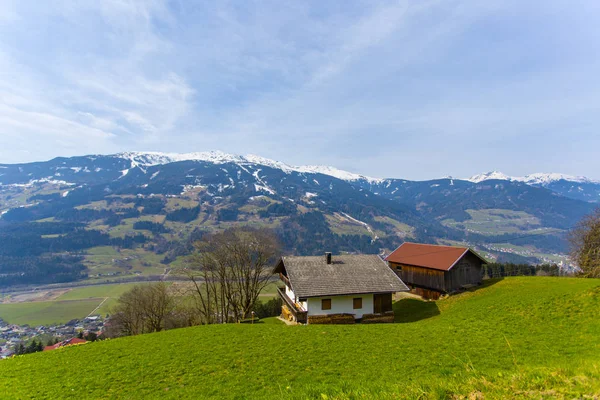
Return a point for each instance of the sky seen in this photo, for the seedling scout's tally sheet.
(407, 89)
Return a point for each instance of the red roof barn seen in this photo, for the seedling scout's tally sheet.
(434, 269)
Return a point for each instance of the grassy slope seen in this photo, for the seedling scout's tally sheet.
(526, 337)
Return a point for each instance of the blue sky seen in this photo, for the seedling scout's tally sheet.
(412, 89)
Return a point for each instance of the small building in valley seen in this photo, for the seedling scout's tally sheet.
(337, 289)
(433, 270)
(65, 343)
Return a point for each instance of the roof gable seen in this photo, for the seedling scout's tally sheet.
(347, 274)
(441, 258)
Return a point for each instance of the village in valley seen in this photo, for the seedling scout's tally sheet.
(12, 335)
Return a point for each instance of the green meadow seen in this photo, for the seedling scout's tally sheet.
(37, 313)
(523, 337)
(76, 303)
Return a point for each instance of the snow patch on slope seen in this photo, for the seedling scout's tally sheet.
(260, 188)
(367, 226)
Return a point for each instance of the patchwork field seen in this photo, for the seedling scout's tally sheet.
(497, 221)
(61, 305)
(525, 337)
(106, 261)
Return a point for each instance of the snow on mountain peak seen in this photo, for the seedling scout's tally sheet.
(336, 173)
(531, 179)
(151, 158)
(488, 176)
(543, 179)
(147, 159)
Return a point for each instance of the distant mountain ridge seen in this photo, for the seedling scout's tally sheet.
(535, 179)
(159, 203)
(219, 157)
(575, 187)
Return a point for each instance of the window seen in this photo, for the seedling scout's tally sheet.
(357, 303)
(325, 304)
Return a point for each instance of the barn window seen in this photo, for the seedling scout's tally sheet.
(357, 303)
(325, 304)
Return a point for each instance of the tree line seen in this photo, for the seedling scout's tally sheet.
(500, 270)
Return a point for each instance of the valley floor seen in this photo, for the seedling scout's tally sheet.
(523, 337)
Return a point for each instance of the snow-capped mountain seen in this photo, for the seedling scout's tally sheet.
(147, 159)
(576, 187)
(533, 179)
(311, 208)
(489, 176)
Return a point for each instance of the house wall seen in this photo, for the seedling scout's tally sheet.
(290, 293)
(421, 277)
(467, 271)
(341, 305)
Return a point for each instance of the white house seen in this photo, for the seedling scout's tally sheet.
(317, 286)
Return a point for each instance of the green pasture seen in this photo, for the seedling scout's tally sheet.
(47, 312)
(522, 337)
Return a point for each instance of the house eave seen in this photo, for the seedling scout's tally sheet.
(303, 298)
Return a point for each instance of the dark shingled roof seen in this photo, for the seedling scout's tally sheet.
(347, 274)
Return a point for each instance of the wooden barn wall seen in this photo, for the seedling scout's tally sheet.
(425, 277)
(468, 271)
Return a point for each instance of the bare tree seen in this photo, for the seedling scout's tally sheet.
(229, 270)
(128, 315)
(158, 306)
(585, 245)
(143, 309)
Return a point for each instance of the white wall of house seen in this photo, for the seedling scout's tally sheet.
(341, 305)
(290, 293)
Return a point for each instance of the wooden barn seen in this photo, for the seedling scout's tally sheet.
(433, 270)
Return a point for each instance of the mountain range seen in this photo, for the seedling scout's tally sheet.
(155, 204)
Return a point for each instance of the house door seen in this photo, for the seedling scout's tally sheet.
(382, 303)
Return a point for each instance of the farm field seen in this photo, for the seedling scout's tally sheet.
(47, 312)
(106, 261)
(64, 305)
(497, 221)
(522, 337)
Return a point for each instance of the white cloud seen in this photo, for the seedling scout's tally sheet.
(343, 83)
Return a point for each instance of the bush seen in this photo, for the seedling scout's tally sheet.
(271, 308)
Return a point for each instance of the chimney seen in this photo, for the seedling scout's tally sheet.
(328, 257)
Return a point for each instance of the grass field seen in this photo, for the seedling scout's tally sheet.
(76, 303)
(526, 337)
(47, 312)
